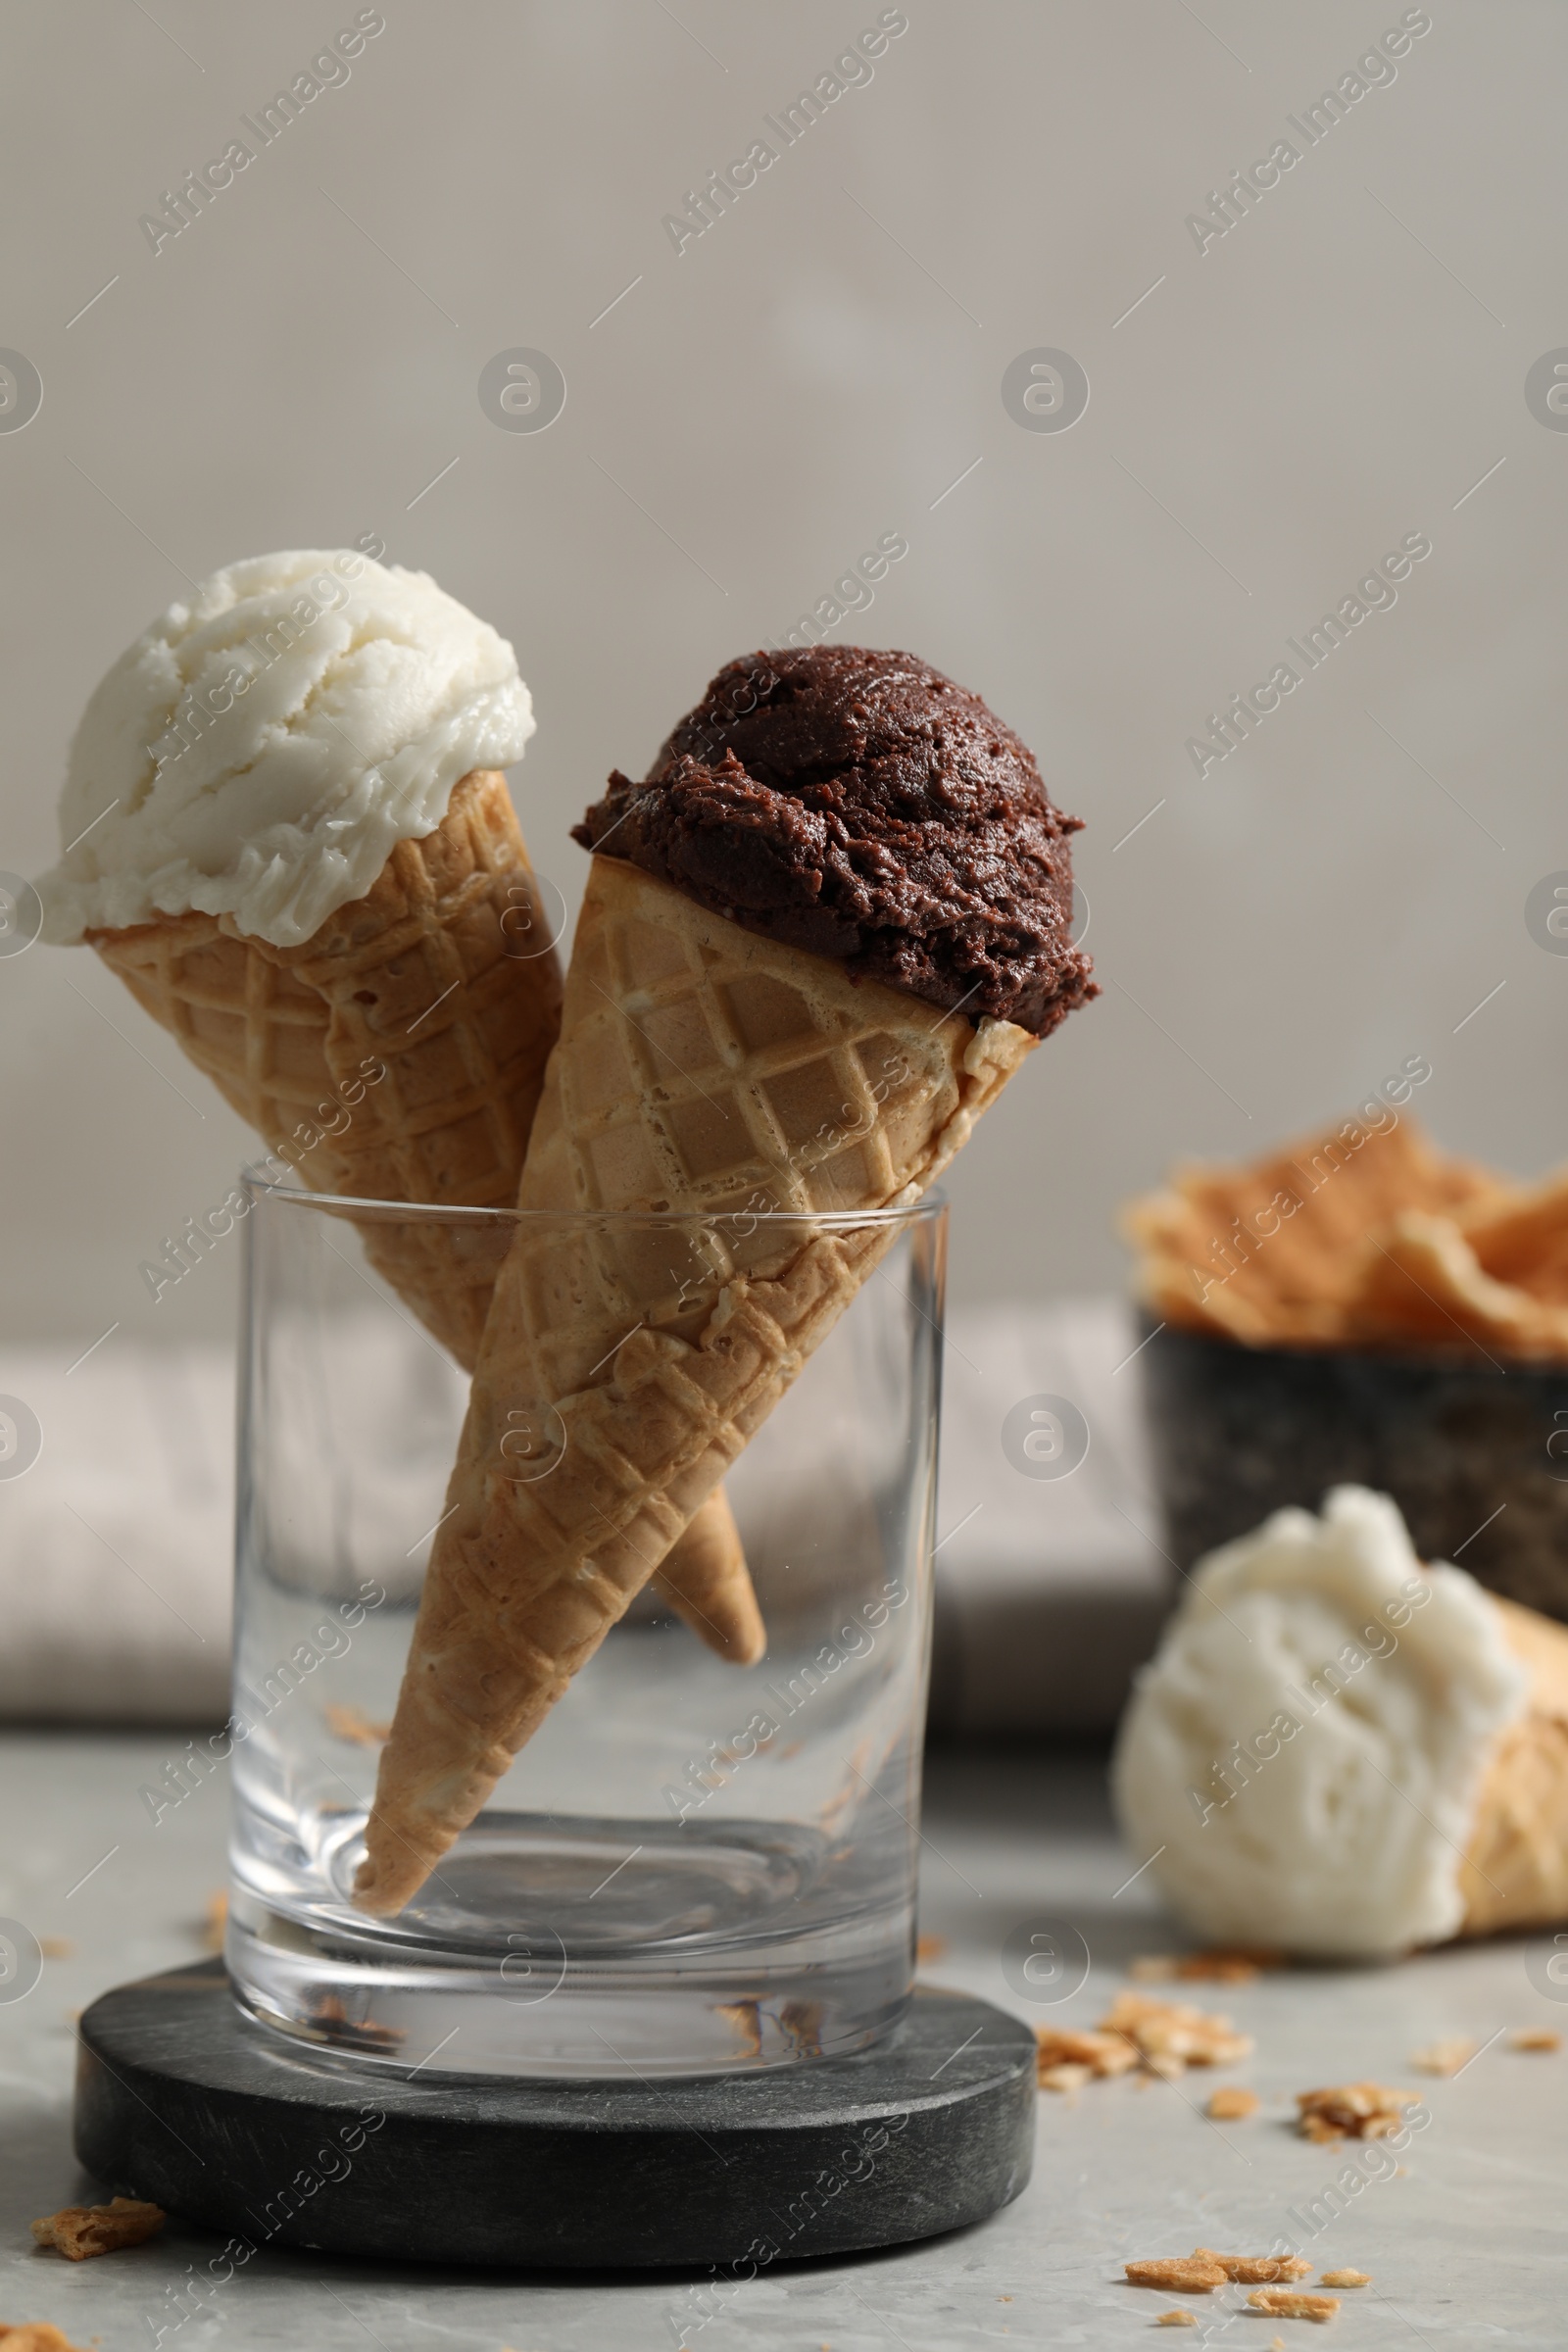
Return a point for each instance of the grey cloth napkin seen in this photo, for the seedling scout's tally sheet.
(116, 1544)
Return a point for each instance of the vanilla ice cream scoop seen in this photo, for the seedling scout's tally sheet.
(1344, 1754)
(262, 746)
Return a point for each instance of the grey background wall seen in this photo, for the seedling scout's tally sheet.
(1270, 412)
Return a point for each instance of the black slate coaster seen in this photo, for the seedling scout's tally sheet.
(183, 2099)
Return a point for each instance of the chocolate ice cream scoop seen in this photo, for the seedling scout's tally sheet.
(859, 805)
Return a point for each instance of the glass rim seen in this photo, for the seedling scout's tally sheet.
(930, 1206)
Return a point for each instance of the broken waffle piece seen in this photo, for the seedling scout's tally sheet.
(1535, 2037)
(1181, 2274)
(79, 2231)
(1423, 1281)
(1176, 2319)
(1232, 2104)
(1447, 2056)
(1354, 2111)
(1285, 2303)
(1271, 1255)
(35, 2335)
(1345, 2277)
(1255, 2269)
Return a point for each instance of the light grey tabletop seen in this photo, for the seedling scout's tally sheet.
(1465, 2241)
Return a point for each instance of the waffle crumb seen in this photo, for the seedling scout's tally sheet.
(1255, 2269)
(78, 2232)
(332, 2022)
(1176, 2319)
(56, 1948)
(1063, 2078)
(1182, 2272)
(1345, 2277)
(929, 1948)
(216, 1924)
(1535, 2037)
(1352, 2111)
(1174, 2033)
(747, 2020)
(1233, 2104)
(1445, 2057)
(1241, 1963)
(1099, 2053)
(1281, 2303)
(35, 2335)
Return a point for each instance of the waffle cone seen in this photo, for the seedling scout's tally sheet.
(707, 1584)
(700, 1071)
(1515, 1869)
(422, 980)
(418, 979)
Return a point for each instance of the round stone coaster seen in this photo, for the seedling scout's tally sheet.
(183, 2098)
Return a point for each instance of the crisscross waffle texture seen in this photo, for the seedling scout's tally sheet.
(422, 981)
(702, 1070)
(441, 978)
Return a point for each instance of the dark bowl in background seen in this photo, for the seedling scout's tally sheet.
(1464, 1446)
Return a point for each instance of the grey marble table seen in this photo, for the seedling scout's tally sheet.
(1465, 2239)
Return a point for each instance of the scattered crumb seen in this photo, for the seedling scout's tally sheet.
(1176, 2319)
(363, 2033)
(35, 2335)
(1233, 2104)
(1255, 2269)
(748, 2024)
(1345, 2277)
(56, 1948)
(1183, 2272)
(352, 1726)
(1445, 2057)
(1085, 2053)
(79, 2231)
(801, 2022)
(1163, 2038)
(1242, 1964)
(1063, 2078)
(929, 1948)
(1175, 2032)
(1282, 2303)
(1352, 2111)
(216, 1923)
(1535, 2037)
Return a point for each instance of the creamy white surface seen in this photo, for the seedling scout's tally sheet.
(259, 750)
(1344, 1840)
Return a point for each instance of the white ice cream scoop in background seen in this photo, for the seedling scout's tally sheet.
(1343, 1752)
(260, 746)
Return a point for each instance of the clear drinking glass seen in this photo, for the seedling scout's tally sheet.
(692, 1866)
